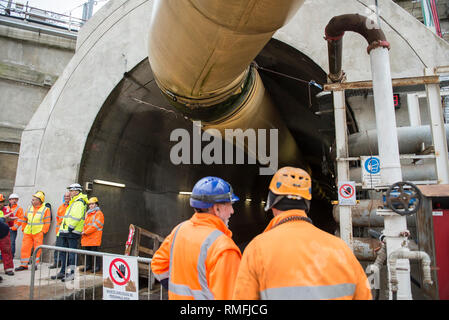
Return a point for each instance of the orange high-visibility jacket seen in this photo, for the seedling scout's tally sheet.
(93, 228)
(60, 215)
(199, 258)
(17, 212)
(295, 260)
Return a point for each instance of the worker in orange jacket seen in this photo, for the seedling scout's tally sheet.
(36, 223)
(92, 233)
(199, 259)
(17, 212)
(59, 243)
(294, 260)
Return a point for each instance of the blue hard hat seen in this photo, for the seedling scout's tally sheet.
(210, 190)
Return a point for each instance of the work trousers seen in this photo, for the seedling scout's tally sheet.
(13, 236)
(5, 248)
(29, 242)
(69, 240)
(90, 260)
(57, 256)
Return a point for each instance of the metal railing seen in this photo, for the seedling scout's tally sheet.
(19, 10)
(82, 282)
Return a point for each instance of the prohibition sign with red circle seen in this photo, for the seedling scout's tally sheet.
(128, 271)
(346, 191)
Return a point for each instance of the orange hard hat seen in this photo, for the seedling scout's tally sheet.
(289, 182)
(295, 183)
(2, 198)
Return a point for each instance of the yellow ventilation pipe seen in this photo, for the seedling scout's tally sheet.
(200, 53)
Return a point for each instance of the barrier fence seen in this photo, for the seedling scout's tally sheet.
(82, 285)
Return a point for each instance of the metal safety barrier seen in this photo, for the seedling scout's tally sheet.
(82, 285)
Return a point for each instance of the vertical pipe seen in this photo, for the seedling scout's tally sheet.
(341, 138)
(390, 162)
(413, 110)
(385, 116)
(437, 128)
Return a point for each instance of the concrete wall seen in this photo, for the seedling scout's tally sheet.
(30, 63)
(114, 42)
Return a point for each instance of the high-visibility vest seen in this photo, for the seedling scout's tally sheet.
(74, 215)
(35, 221)
(294, 260)
(199, 258)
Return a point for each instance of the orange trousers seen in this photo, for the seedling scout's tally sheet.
(29, 242)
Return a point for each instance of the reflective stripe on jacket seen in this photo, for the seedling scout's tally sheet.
(93, 228)
(60, 215)
(37, 219)
(74, 215)
(200, 259)
(295, 260)
(17, 212)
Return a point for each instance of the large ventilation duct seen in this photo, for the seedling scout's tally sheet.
(410, 140)
(200, 53)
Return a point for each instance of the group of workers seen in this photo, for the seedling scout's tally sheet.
(291, 259)
(78, 218)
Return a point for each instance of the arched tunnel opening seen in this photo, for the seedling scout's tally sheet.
(129, 143)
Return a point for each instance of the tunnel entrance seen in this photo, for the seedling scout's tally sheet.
(129, 143)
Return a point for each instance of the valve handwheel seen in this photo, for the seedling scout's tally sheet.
(404, 198)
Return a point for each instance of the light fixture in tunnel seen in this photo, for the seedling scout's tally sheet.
(185, 192)
(248, 200)
(109, 183)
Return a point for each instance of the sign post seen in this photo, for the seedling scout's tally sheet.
(346, 193)
(120, 278)
(370, 172)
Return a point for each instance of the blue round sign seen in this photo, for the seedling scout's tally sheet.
(372, 165)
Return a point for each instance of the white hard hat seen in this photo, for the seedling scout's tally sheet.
(75, 186)
(13, 196)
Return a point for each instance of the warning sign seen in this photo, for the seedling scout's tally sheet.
(120, 278)
(346, 193)
(370, 172)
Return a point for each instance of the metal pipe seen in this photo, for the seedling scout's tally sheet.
(341, 138)
(438, 129)
(413, 109)
(212, 80)
(410, 140)
(364, 215)
(403, 253)
(334, 32)
(425, 171)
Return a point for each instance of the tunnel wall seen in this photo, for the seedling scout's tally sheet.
(114, 42)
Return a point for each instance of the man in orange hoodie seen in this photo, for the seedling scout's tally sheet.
(199, 259)
(294, 260)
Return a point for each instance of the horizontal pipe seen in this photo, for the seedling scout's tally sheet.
(410, 172)
(364, 215)
(410, 140)
(367, 249)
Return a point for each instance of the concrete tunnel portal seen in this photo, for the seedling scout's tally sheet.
(129, 142)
